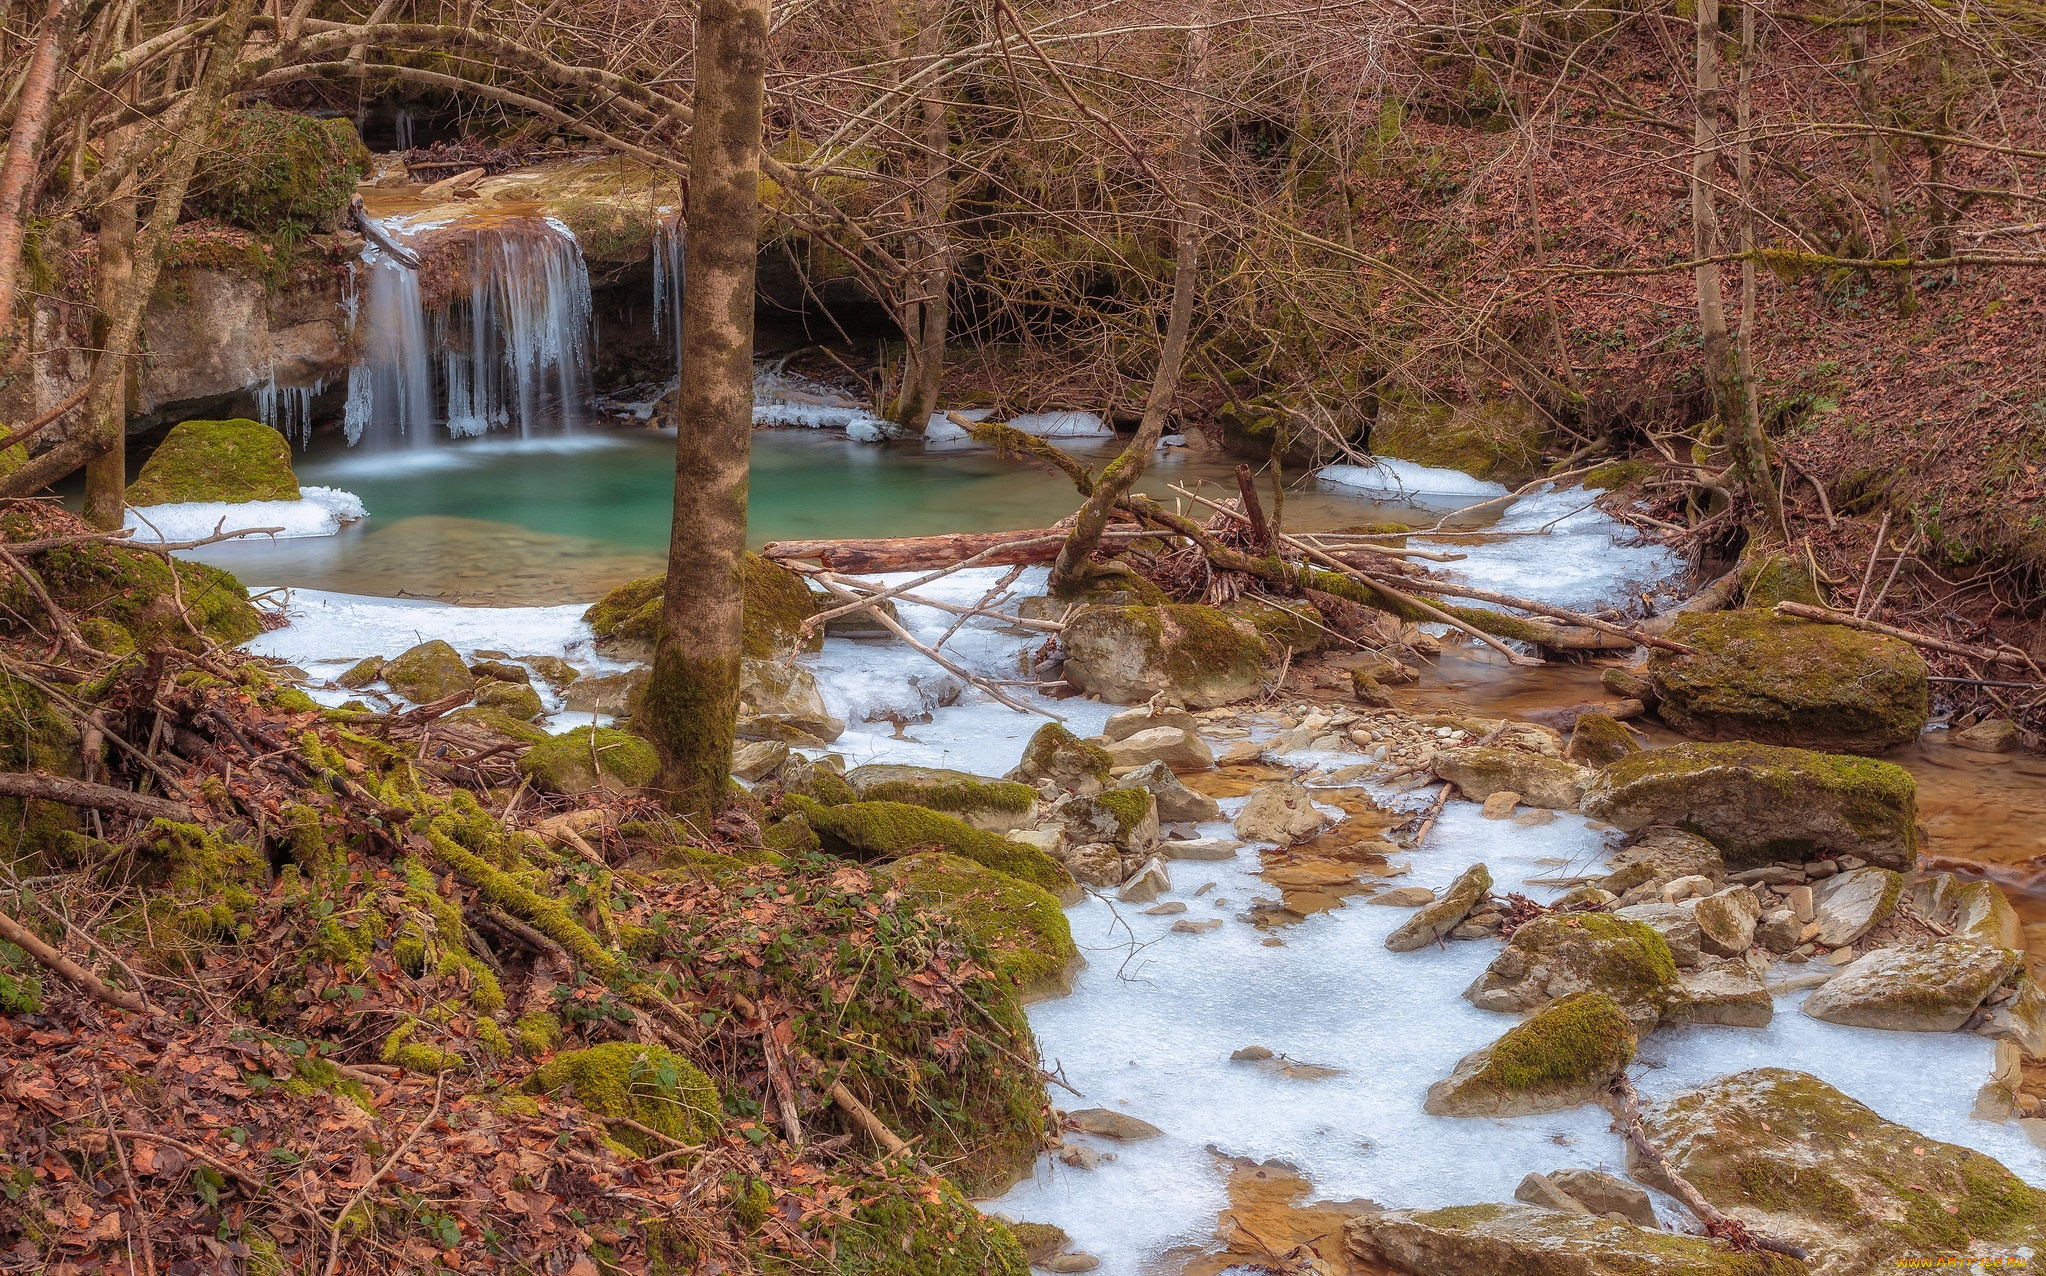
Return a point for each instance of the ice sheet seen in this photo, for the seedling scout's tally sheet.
(1573, 555)
(319, 511)
(1393, 480)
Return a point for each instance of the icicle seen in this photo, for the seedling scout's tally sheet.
(527, 358)
(669, 236)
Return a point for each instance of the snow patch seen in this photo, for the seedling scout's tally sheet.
(1393, 480)
(319, 511)
(1569, 553)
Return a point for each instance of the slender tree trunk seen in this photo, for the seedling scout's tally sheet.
(24, 145)
(924, 370)
(195, 130)
(1724, 373)
(1879, 169)
(1744, 169)
(691, 702)
(1073, 564)
(106, 475)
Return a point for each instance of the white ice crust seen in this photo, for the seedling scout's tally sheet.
(319, 511)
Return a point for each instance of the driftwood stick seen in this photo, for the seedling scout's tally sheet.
(93, 797)
(1626, 1111)
(896, 591)
(1996, 655)
(1253, 511)
(98, 989)
(864, 1117)
(377, 235)
(831, 583)
(1875, 551)
(980, 608)
(925, 553)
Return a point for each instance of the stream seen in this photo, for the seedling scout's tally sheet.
(540, 527)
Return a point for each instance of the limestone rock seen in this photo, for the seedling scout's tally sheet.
(1565, 1055)
(1146, 884)
(361, 673)
(610, 693)
(1604, 1194)
(1846, 906)
(1536, 1189)
(1628, 684)
(1176, 747)
(553, 670)
(1793, 1157)
(1500, 805)
(1297, 627)
(773, 691)
(994, 805)
(1110, 1124)
(430, 671)
(777, 602)
(589, 760)
(1726, 921)
(1121, 726)
(1759, 803)
(1058, 755)
(755, 760)
(217, 461)
(1556, 955)
(514, 698)
(1598, 740)
(1726, 993)
(1779, 931)
(1281, 813)
(1526, 1240)
(2020, 1019)
(1368, 690)
(1404, 897)
(1208, 849)
(1095, 864)
(1436, 919)
(1931, 986)
(1189, 926)
(1194, 655)
(1657, 857)
(1125, 818)
(1177, 804)
(501, 671)
(1676, 923)
(1779, 680)
(1482, 770)
(497, 722)
(1991, 735)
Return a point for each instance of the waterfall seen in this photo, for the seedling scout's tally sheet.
(288, 409)
(402, 125)
(390, 391)
(525, 356)
(669, 236)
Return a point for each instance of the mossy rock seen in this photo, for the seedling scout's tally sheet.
(1759, 803)
(1597, 740)
(35, 737)
(1266, 426)
(647, 1084)
(994, 805)
(1182, 653)
(1617, 475)
(1021, 925)
(1525, 1240)
(909, 1233)
(139, 592)
(1567, 1054)
(1058, 755)
(1295, 626)
(1768, 579)
(1793, 1157)
(1499, 440)
(589, 759)
(431, 671)
(514, 699)
(276, 172)
(1778, 680)
(628, 619)
(498, 722)
(874, 830)
(227, 461)
(1561, 954)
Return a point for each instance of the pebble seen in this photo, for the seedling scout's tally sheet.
(1110, 1124)
(1536, 818)
(1841, 956)
(1250, 1054)
(1500, 805)
(1204, 888)
(1077, 1260)
(1800, 900)
(1166, 909)
(1188, 926)
(1821, 868)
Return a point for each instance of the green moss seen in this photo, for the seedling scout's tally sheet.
(232, 461)
(605, 230)
(791, 836)
(951, 791)
(1021, 925)
(498, 722)
(1769, 579)
(647, 1084)
(1597, 740)
(1618, 474)
(1500, 440)
(910, 1234)
(1130, 807)
(34, 737)
(106, 635)
(1778, 680)
(1585, 1035)
(515, 700)
(362, 673)
(1198, 641)
(877, 829)
(590, 758)
(211, 884)
(539, 1033)
(1057, 752)
(138, 591)
(1461, 1215)
(1625, 958)
(414, 1056)
(278, 173)
(550, 916)
(777, 602)
(1294, 625)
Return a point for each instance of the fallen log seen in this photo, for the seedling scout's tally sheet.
(376, 234)
(95, 797)
(92, 985)
(927, 553)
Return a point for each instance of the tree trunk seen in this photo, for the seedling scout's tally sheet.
(106, 475)
(924, 369)
(1879, 170)
(1073, 565)
(195, 130)
(24, 145)
(691, 702)
(1724, 374)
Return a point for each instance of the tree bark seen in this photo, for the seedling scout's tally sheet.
(1879, 169)
(1073, 565)
(691, 702)
(925, 372)
(1724, 374)
(106, 475)
(24, 145)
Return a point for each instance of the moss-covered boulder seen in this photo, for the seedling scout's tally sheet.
(873, 830)
(1179, 652)
(1559, 954)
(1500, 440)
(1293, 625)
(431, 671)
(514, 699)
(278, 173)
(1760, 803)
(497, 722)
(649, 1085)
(1597, 740)
(628, 619)
(589, 759)
(924, 1233)
(226, 461)
(1525, 1240)
(1058, 755)
(1020, 924)
(994, 805)
(1793, 1157)
(1768, 579)
(1567, 1054)
(1779, 680)
(1479, 771)
(1930, 986)
(1126, 819)
(122, 598)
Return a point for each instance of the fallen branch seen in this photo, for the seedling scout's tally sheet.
(98, 989)
(922, 553)
(334, 1232)
(1626, 1111)
(896, 591)
(831, 583)
(376, 234)
(45, 421)
(94, 797)
(864, 1117)
(1995, 655)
